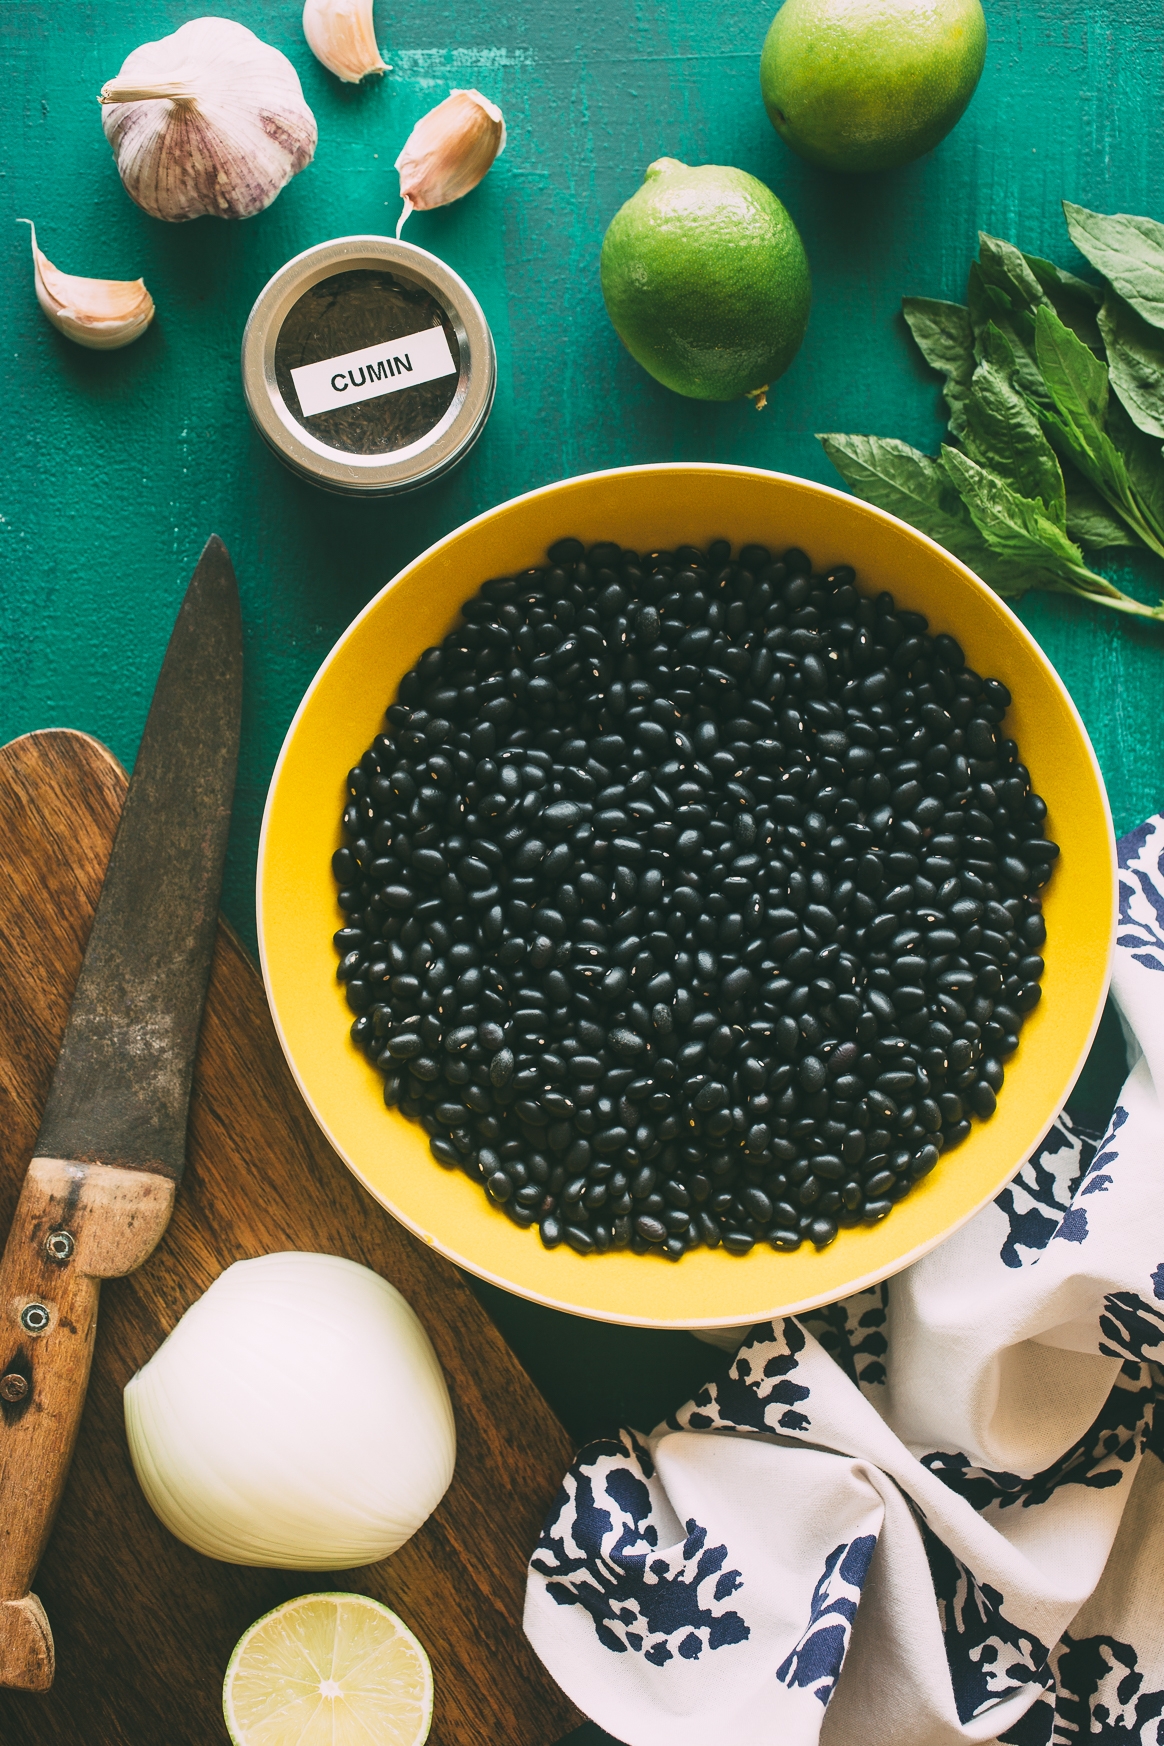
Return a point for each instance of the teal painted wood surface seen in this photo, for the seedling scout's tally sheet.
(116, 466)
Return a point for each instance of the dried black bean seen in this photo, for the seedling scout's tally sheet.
(652, 1230)
(667, 871)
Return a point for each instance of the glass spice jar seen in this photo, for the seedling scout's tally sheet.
(368, 366)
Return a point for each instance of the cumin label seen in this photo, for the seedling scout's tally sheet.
(373, 371)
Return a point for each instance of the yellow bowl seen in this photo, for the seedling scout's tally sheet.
(644, 507)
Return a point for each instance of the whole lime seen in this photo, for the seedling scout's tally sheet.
(870, 84)
(706, 280)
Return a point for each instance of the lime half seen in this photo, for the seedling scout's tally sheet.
(328, 1670)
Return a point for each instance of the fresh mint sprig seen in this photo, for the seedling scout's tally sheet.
(1055, 394)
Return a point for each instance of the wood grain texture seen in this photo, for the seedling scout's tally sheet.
(111, 1219)
(143, 1625)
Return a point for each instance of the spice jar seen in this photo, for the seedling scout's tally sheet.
(368, 366)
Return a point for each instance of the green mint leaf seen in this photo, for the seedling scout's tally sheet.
(946, 342)
(895, 477)
(996, 349)
(1076, 379)
(1143, 462)
(1012, 525)
(1122, 462)
(1128, 251)
(978, 305)
(1057, 280)
(1074, 301)
(1002, 433)
(1090, 523)
(1005, 268)
(1135, 361)
(992, 316)
(1008, 579)
(1017, 530)
(1027, 282)
(915, 487)
(1082, 442)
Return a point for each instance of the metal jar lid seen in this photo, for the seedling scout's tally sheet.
(471, 357)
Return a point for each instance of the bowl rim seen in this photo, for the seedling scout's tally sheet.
(875, 1274)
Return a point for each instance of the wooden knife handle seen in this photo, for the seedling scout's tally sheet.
(75, 1225)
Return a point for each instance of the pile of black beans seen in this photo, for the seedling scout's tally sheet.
(691, 899)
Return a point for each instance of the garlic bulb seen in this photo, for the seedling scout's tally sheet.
(208, 120)
(339, 33)
(448, 151)
(296, 1418)
(101, 313)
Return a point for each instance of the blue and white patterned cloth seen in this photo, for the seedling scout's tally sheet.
(931, 1513)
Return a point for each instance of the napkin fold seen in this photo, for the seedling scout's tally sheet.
(930, 1513)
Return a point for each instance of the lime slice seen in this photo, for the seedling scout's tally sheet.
(328, 1670)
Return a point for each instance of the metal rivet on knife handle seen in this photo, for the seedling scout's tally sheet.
(98, 1192)
(13, 1387)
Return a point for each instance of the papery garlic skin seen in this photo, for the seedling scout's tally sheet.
(102, 314)
(209, 120)
(449, 151)
(295, 1419)
(340, 34)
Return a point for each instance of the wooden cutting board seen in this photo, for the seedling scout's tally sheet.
(144, 1626)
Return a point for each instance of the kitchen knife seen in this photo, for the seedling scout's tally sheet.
(112, 1142)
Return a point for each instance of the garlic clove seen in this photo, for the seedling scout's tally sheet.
(339, 33)
(209, 120)
(449, 151)
(100, 313)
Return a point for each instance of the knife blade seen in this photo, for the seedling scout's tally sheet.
(100, 1187)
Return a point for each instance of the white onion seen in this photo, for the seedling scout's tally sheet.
(297, 1418)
